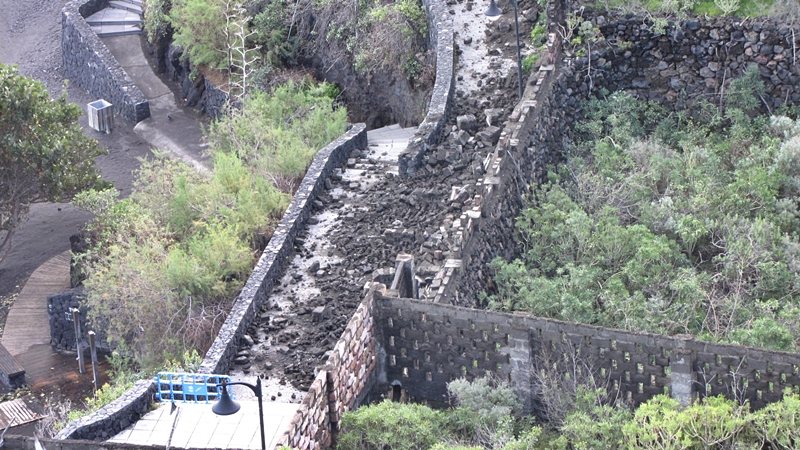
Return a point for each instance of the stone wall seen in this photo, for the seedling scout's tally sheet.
(275, 256)
(88, 63)
(62, 327)
(431, 130)
(199, 93)
(341, 385)
(691, 59)
(427, 345)
(114, 417)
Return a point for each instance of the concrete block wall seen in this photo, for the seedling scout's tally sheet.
(431, 130)
(348, 376)
(88, 63)
(427, 345)
(275, 256)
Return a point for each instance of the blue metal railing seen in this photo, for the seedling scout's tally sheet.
(188, 387)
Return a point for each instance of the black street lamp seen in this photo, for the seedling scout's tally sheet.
(494, 11)
(227, 406)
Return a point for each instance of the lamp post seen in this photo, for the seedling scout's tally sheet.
(494, 11)
(227, 406)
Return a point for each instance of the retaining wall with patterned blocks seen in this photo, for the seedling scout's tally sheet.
(427, 345)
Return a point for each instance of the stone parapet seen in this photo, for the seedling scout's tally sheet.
(431, 130)
(114, 417)
(342, 384)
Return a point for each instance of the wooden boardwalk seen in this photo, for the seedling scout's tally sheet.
(28, 323)
(27, 337)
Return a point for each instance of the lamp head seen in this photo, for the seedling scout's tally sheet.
(226, 405)
(493, 11)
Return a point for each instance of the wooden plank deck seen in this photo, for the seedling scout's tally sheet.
(27, 337)
(28, 323)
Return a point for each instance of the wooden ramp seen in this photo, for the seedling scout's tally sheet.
(28, 323)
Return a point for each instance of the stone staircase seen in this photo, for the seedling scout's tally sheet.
(122, 17)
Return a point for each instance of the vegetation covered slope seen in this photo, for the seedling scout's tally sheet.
(668, 223)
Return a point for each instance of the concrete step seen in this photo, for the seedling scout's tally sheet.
(126, 5)
(114, 16)
(135, 2)
(116, 30)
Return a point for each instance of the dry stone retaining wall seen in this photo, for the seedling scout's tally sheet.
(343, 382)
(199, 92)
(62, 327)
(691, 59)
(89, 64)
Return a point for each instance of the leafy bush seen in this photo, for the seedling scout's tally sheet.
(102, 397)
(529, 61)
(379, 35)
(713, 422)
(388, 424)
(593, 423)
(490, 403)
(156, 19)
(278, 134)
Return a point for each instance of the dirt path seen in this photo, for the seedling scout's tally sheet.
(30, 36)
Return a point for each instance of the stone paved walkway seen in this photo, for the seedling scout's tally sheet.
(198, 427)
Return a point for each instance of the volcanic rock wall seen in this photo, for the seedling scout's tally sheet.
(91, 65)
(690, 59)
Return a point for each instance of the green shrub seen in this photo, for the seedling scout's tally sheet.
(713, 422)
(490, 403)
(279, 134)
(198, 26)
(529, 61)
(102, 397)
(388, 424)
(778, 423)
(156, 19)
